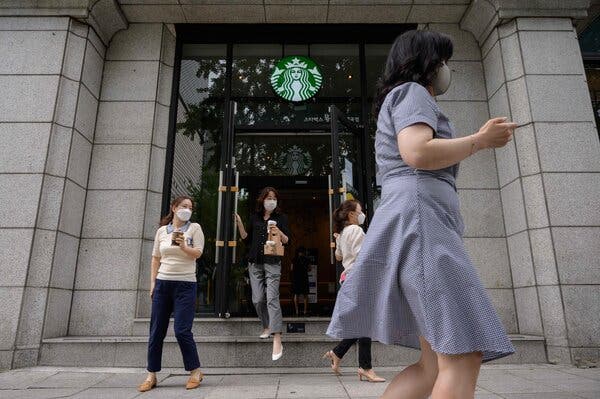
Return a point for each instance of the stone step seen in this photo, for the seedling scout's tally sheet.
(237, 326)
(300, 350)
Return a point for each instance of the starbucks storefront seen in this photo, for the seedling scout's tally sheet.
(116, 106)
(279, 106)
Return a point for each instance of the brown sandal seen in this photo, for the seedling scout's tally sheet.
(194, 383)
(147, 385)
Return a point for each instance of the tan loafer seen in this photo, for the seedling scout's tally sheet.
(194, 383)
(147, 385)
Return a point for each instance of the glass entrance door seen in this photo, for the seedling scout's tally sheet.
(313, 171)
(347, 179)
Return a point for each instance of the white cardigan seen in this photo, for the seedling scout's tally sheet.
(348, 245)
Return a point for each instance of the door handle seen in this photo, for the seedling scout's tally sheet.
(219, 242)
(235, 210)
(330, 193)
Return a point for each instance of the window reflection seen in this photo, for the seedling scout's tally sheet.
(198, 147)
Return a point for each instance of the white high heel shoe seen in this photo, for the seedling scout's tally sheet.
(278, 356)
(265, 335)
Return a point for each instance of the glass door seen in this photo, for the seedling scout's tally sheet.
(314, 172)
(347, 169)
(225, 242)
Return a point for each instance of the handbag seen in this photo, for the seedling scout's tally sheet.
(274, 246)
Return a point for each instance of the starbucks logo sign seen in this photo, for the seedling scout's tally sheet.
(296, 78)
(295, 161)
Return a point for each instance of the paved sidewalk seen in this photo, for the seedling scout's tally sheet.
(496, 381)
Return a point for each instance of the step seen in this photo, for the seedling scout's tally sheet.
(236, 326)
(300, 350)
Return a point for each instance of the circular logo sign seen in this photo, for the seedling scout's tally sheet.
(295, 161)
(296, 78)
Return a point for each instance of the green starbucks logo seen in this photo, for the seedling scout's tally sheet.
(296, 78)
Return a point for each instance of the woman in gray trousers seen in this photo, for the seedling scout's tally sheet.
(265, 270)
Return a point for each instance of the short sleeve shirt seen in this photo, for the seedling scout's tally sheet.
(175, 264)
(404, 106)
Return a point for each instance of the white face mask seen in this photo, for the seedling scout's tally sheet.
(441, 83)
(361, 218)
(270, 205)
(184, 214)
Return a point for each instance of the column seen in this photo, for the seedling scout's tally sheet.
(125, 184)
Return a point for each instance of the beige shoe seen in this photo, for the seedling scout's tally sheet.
(147, 385)
(369, 375)
(335, 362)
(194, 382)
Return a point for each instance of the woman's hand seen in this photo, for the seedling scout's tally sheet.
(240, 225)
(494, 133)
(152, 285)
(275, 230)
(181, 241)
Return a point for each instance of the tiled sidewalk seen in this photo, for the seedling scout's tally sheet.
(496, 381)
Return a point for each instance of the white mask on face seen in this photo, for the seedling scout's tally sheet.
(270, 205)
(184, 214)
(361, 218)
(441, 83)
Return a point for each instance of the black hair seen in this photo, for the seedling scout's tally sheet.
(340, 215)
(415, 56)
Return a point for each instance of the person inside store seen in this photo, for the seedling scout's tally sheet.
(300, 267)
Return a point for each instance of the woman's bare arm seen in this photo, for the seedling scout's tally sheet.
(420, 150)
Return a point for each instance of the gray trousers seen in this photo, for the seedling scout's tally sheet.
(264, 280)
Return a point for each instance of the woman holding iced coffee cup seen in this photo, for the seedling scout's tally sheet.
(177, 245)
(267, 233)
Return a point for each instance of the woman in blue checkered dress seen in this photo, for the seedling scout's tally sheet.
(413, 283)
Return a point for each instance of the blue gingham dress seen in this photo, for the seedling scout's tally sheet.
(413, 276)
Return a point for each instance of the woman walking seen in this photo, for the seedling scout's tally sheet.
(177, 245)
(349, 237)
(414, 284)
(265, 270)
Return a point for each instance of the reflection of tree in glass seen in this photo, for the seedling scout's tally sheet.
(251, 79)
(257, 105)
(205, 213)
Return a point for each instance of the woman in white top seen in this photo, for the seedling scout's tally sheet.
(349, 237)
(173, 286)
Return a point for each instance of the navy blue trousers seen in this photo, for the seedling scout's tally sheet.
(179, 298)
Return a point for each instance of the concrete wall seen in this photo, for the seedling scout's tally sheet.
(466, 105)
(51, 71)
(549, 182)
(125, 184)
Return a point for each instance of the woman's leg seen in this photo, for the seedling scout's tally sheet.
(364, 353)
(457, 376)
(183, 313)
(162, 306)
(415, 381)
(296, 303)
(273, 276)
(258, 285)
(343, 347)
(305, 297)
(364, 361)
